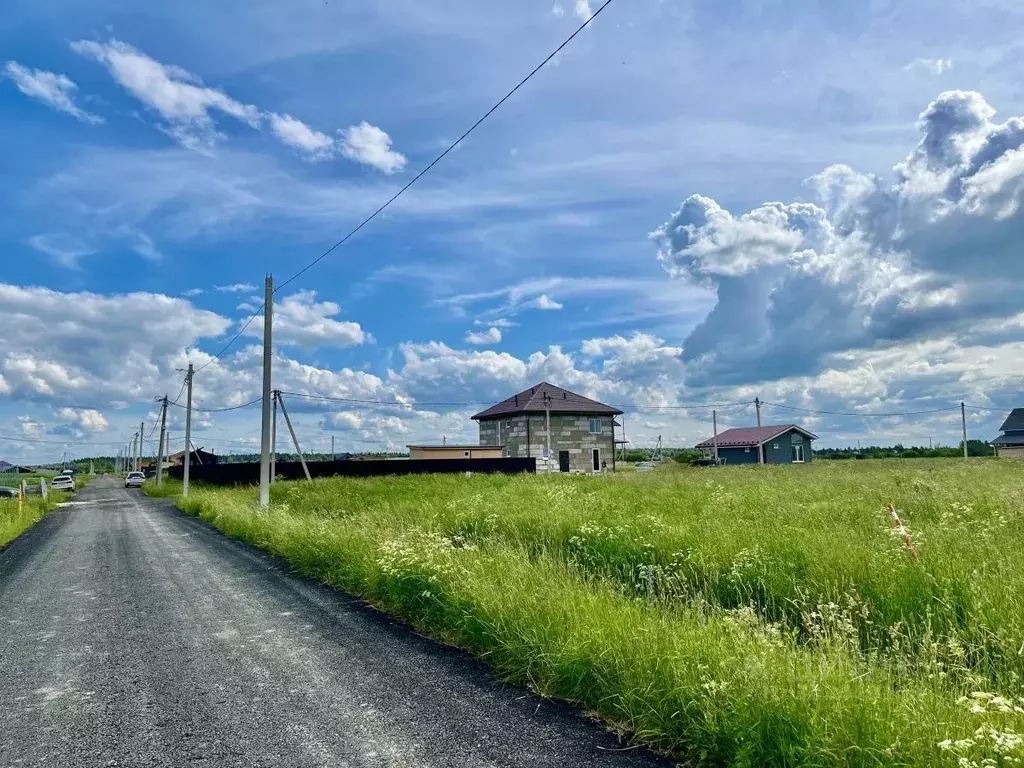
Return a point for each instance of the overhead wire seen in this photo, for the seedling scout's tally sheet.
(862, 414)
(384, 206)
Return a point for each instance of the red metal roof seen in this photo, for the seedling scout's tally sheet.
(547, 396)
(750, 436)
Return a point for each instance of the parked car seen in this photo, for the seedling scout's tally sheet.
(62, 483)
(134, 480)
(8, 493)
(644, 466)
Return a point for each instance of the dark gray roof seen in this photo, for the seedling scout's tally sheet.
(750, 436)
(1014, 421)
(546, 396)
(1009, 440)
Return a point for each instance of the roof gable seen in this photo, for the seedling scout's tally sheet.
(1015, 421)
(751, 436)
(545, 396)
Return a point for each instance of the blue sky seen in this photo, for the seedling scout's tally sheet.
(696, 202)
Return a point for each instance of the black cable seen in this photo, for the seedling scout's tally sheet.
(220, 410)
(867, 415)
(479, 403)
(451, 147)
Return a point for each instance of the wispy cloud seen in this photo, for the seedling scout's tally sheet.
(188, 107)
(932, 66)
(63, 249)
(52, 89)
(235, 288)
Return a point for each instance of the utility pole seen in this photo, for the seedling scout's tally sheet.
(138, 456)
(160, 446)
(268, 355)
(135, 451)
(332, 443)
(760, 445)
(714, 426)
(963, 424)
(295, 440)
(273, 442)
(547, 429)
(187, 458)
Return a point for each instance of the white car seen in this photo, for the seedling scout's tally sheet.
(134, 480)
(644, 466)
(62, 483)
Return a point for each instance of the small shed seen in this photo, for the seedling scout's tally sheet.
(780, 444)
(198, 457)
(1011, 442)
(456, 451)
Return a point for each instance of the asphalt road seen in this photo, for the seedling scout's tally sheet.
(132, 635)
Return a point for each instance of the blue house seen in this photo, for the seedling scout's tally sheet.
(783, 444)
(1011, 442)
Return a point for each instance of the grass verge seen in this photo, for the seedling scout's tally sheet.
(761, 616)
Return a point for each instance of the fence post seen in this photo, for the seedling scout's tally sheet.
(42, 488)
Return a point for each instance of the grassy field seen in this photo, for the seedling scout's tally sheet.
(735, 616)
(13, 522)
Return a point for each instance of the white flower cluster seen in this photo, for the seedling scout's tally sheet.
(425, 555)
(982, 702)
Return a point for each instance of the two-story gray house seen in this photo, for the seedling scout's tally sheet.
(564, 431)
(1011, 442)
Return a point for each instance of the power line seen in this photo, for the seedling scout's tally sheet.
(412, 181)
(220, 410)
(865, 415)
(450, 147)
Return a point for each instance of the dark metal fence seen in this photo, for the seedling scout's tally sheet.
(249, 473)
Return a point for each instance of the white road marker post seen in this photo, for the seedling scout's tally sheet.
(268, 356)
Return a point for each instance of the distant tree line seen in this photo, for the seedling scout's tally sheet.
(898, 451)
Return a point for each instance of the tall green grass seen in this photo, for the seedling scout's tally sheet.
(14, 521)
(747, 616)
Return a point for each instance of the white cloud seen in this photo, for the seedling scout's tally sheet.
(545, 302)
(369, 145)
(193, 292)
(51, 88)
(502, 323)
(296, 134)
(87, 419)
(175, 94)
(235, 288)
(557, 10)
(870, 262)
(933, 66)
(490, 336)
(94, 348)
(301, 320)
(66, 250)
(582, 9)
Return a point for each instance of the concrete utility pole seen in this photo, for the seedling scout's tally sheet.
(138, 457)
(547, 428)
(187, 458)
(160, 446)
(273, 442)
(760, 445)
(295, 440)
(135, 452)
(714, 426)
(268, 356)
(963, 424)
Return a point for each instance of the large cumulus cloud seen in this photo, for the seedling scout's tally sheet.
(868, 262)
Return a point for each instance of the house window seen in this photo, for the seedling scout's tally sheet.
(798, 454)
(747, 449)
(466, 454)
(508, 423)
(595, 426)
(775, 446)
